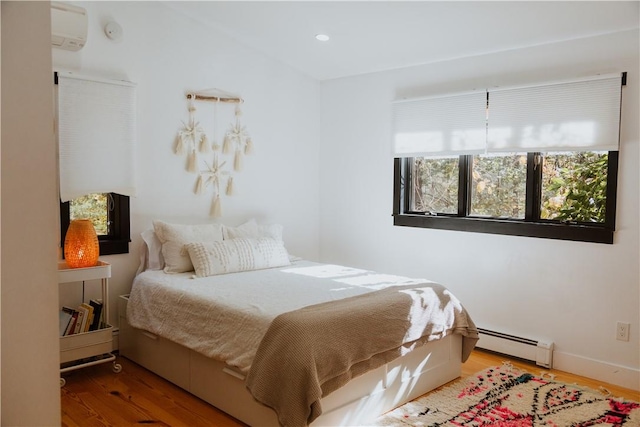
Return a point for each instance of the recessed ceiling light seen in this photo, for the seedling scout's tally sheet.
(322, 37)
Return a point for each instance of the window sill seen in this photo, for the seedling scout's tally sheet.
(546, 230)
(113, 247)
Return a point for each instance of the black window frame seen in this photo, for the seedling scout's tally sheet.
(531, 226)
(119, 237)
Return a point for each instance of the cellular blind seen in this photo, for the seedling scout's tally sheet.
(96, 136)
(439, 126)
(582, 115)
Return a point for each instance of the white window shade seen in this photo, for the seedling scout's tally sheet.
(97, 136)
(570, 116)
(440, 126)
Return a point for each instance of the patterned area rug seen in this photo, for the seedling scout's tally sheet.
(507, 397)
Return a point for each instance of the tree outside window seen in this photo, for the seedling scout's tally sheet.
(94, 207)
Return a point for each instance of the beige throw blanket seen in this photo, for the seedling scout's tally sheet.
(308, 353)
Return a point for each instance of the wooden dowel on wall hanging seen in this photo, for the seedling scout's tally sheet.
(197, 97)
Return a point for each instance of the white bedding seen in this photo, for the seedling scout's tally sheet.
(225, 317)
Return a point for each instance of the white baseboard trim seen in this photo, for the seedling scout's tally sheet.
(621, 376)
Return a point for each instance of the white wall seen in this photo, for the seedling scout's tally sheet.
(571, 293)
(30, 370)
(167, 54)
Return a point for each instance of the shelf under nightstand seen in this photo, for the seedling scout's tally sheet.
(93, 347)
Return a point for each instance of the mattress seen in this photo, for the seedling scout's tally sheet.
(224, 317)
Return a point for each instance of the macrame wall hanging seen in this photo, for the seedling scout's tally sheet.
(193, 142)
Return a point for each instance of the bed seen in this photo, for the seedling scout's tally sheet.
(299, 343)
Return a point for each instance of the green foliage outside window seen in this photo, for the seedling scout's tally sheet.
(575, 187)
(435, 185)
(93, 207)
(499, 186)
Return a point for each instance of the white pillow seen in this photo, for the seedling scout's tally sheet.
(155, 260)
(273, 231)
(249, 230)
(173, 238)
(236, 255)
(252, 230)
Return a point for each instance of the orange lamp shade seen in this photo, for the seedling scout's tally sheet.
(81, 247)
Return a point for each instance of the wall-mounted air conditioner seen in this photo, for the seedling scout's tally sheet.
(68, 26)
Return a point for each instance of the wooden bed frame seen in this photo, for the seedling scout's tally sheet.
(360, 401)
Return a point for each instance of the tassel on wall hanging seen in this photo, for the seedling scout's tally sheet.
(214, 175)
(237, 141)
(189, 139)
(192, 140)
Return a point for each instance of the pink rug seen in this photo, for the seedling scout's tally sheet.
(507, 397)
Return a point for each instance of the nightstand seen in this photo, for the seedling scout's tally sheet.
(94, 347)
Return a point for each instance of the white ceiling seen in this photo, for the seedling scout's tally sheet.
(369, 36)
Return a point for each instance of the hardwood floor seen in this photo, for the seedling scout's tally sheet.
(96, 396)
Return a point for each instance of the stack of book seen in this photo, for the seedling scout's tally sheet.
(85, 318)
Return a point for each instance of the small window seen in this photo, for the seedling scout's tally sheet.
(109, 213)
(94, 207)
(498, 186)
(435, 185)
(574, 187)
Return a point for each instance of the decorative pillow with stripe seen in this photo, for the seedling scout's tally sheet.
(234, 255)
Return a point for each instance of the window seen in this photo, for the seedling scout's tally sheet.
(96, 129)
(435, 185)
(498, 186)
(110, 215)
(569, 196)
(537, 161)
(574, 187)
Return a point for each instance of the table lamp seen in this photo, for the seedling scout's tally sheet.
(81, 247)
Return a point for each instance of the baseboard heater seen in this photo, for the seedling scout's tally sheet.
(523, 348)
